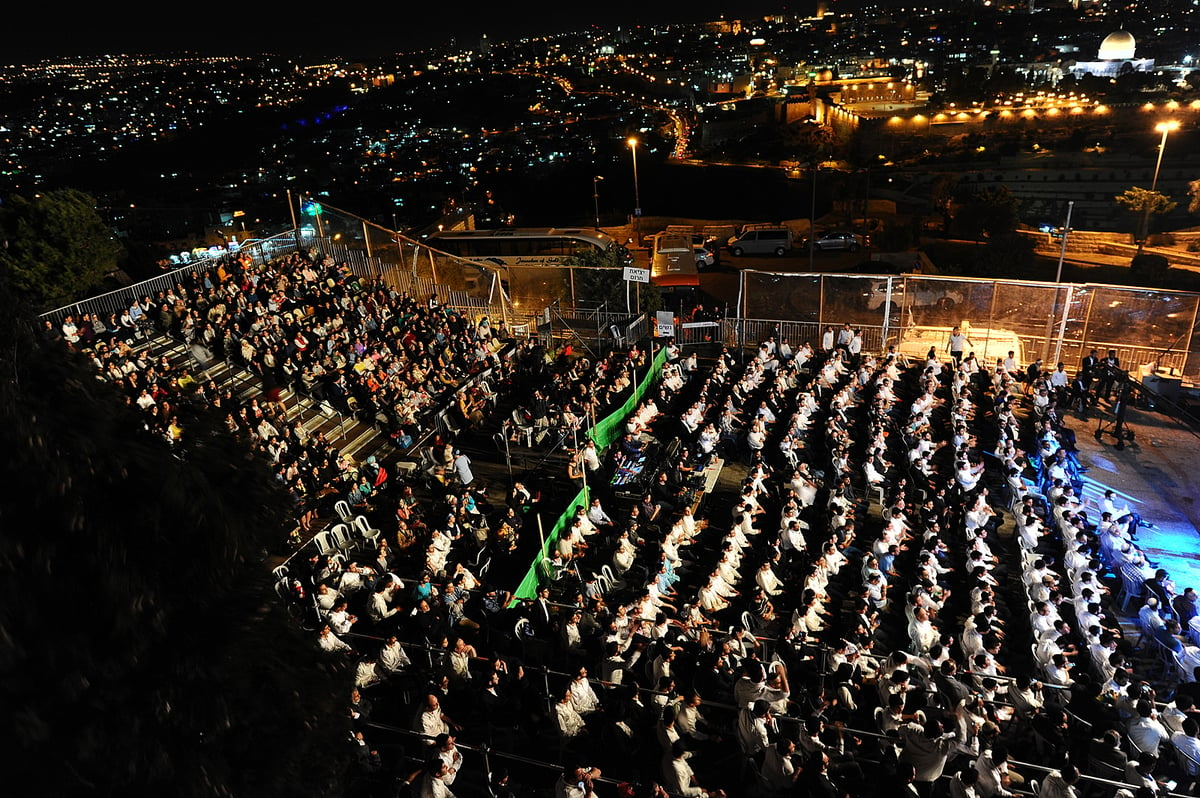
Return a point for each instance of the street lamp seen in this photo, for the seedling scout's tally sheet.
(596, 197)
(1165, 128)
(637, 197)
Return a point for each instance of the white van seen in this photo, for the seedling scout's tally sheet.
(761, 241)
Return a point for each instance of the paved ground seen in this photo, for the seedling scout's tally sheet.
(1158, 473)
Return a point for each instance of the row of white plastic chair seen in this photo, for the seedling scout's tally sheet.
(343, 538)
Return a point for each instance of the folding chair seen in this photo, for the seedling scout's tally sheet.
(1190, 767)
(1132, 587)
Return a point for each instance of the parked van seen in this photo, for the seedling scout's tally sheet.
(761, 241)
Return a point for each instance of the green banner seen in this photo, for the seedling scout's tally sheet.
(529, 585)
(609, 429)
(604, 433)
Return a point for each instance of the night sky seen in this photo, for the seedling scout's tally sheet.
(356, 29)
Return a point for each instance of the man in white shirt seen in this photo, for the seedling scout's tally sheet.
(392, 657)
(448, 752)
(591, 459)
(431, 721)
(680, 779)
(1146, 733)
(1060, 784)
(598, 517)
(570, 722)
(992, 766)
(958, 342)
(576, 782)
(1186, 742)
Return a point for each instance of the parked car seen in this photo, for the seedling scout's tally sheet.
(833, 240)
(929, 294)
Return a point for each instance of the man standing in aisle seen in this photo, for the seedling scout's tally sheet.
(957, 342)
(462, 468)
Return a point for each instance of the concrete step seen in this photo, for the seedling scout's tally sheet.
(353, 437)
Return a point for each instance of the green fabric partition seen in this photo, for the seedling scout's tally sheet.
(604, 433)
(529, 585)
(608, 429)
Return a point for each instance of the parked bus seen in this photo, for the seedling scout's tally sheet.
(528, 246)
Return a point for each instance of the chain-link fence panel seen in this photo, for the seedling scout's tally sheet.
(1025, 319)
(788, 297)
(535, 287)
(1144, 328)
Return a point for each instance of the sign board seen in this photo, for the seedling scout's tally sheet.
(664, 323)
(636, 275)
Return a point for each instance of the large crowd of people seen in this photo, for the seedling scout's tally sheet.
(905, 592)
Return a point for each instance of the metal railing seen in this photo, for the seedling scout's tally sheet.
(120, 299)
(1048, 320)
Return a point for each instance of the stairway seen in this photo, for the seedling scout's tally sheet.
(350, 435)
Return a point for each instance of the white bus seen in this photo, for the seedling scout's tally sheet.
(528, 246)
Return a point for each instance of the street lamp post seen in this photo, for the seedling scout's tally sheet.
(596, 197)
(637, 197)
(1062, 254)
(812, 215)
(1165, 128)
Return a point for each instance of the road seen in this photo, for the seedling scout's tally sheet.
(720, 282)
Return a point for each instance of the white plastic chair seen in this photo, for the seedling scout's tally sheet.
(488, 393)
(1132, 587)
(524, 428)
(342, 507)
(325, 543)
(369, 534)
(613, 581)
(340, 533)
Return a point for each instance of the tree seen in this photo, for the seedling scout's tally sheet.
(1194, 194)
(56, 247)
(1144, 203)
(1006, 255)
(599, 279)
(142, 649)
(945, 189)
(986, 211)
(808, 141)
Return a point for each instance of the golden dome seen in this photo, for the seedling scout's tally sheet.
(1118, 46)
